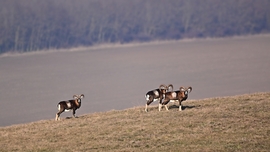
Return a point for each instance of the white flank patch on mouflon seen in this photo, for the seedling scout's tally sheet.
(68, 104)
(173, 94)
(156, 93)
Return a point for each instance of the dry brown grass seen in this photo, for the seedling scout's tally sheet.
(238, 123)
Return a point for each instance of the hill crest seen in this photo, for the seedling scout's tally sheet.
(235, 123)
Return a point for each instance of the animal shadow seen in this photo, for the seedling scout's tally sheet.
(183, 107)
(71, 117)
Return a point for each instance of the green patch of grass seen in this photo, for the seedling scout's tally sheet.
(238, 123)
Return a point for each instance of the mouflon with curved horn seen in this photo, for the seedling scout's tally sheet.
(156, 95)
(179, 95)
(69, 105)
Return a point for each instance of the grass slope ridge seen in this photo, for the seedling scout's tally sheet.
(237, 123)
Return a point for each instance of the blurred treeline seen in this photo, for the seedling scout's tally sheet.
(29, 25)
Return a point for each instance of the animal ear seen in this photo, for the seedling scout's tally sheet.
(189, 89)
(82, 96)
(75, 96)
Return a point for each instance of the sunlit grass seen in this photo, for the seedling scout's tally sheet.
(238, 123)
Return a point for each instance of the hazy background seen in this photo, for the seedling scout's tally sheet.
(31, 25)
(116, 76)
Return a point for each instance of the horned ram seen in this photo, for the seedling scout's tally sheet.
(179, 95)
(156, 95)
(69, 105)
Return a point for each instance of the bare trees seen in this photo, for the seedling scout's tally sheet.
(29, 25)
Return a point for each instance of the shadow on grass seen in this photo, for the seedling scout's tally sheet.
(183, 107)
(174, 106)
(71, 117)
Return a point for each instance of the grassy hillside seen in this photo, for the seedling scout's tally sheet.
(238, 123)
